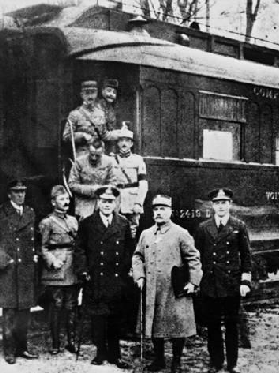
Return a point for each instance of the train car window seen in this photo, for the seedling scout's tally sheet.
(218, 145)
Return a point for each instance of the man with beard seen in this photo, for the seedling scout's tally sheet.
(58, 234)
(161, 247)
(17, 271)
(87, 122)
(88, 173)
(224, 246)
(103, 255)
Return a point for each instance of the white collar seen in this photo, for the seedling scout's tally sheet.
(106, 219)
(17, 207)
(222, 220)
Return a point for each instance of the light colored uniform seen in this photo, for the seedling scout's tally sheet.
(131, 171)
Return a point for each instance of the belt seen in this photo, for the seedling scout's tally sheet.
(129, 185)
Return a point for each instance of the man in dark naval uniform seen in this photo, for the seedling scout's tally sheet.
(17, 271)
(226, 260)
(103, 254)
(58, 234)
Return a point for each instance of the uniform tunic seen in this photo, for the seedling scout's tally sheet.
(85, 177)
(131, 170)
(105, 253)
(17, 279)
(157, 252)
(225, 256)
(58, 234)
(92, 122)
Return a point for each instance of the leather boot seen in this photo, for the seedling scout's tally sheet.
(177, 349)
(71, 331)
(55, 322)
(159, 358)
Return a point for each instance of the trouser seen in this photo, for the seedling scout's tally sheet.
(15, 325)
(63, 297)
(216, 308)
(106, 335)
(159, 348)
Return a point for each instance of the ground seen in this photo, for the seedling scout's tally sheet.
(262, 357)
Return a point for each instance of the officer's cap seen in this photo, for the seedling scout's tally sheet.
(17, 184)
(220, 194)
(113, 83)
(107, 192)
(162, 200)
(57, 190)
(89, 84)
(125, 132)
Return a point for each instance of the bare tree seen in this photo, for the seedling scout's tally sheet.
(165, 9)
(145, 6)
(188, 8)
(251, 17)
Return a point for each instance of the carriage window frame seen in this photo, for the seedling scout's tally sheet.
(221, 113)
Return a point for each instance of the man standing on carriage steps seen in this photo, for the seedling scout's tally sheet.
(87, 122)
(224, 246)
(161, 247)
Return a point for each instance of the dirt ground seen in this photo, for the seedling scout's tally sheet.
(262, 357)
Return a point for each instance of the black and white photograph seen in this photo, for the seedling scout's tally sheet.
(139, 186)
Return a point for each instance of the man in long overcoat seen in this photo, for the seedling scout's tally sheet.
(224, 246)
(103, 255)
(17, 271)
(161, 247)
(59, 231)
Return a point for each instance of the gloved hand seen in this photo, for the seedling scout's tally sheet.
(137, 208)
(190, 288)
(140, 283)
(244, 290)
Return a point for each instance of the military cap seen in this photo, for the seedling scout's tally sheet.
(58, 190)
(221, 194)
(125, 132)
(17, 184)
(113, 83)
(107, 192)
(162, 200)
(87, 84)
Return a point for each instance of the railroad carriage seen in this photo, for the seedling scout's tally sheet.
(200, 120)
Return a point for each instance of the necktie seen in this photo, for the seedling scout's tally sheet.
(221, 226)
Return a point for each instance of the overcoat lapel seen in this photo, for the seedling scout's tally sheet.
(107, 232)
(18, 221)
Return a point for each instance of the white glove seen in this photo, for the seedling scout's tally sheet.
(244, 290)
(190, 288)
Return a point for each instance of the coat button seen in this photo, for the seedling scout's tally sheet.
(32, 239)
(228, 243)
(228, 252)
(101, 242)
(102, 253)
(117, 253)
(214, 262)
(117, 264)
(18, 249)
(101, 273)
(17, 239)
(101, 264)
(19, 260)
(116, 275)
(214, 253)
(117, 242)
(228, 261)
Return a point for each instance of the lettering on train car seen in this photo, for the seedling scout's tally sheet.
(266, 92)
(191, 214)
(272, 196)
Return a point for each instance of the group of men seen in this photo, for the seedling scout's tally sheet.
(98, 248)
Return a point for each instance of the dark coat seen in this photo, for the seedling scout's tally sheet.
(17, 275)
(105, 254)
(225, 256)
